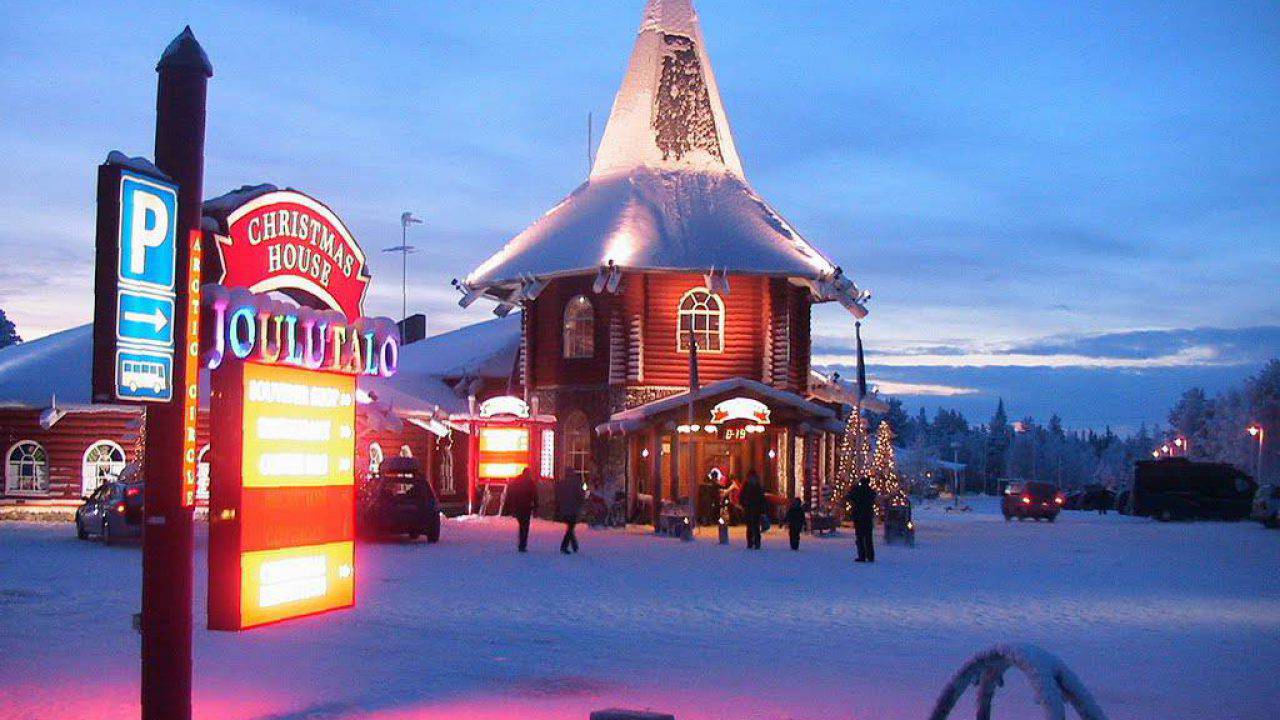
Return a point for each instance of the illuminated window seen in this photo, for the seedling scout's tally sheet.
(26, 469)
(102, 461)
(202, 474)
(579, 328)
(375, 458)
(577, 446)
(702, 314)
(548, 453)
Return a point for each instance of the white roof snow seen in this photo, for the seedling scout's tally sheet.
(60, 365)
(34, 372)
(667, 191)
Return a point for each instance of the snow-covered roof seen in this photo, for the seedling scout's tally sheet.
(638, 418)
(485, 350)
(58, 365)
(667, 191)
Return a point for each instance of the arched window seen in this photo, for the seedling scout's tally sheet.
(702, 313)
(577, 446)
(102, 461)
(26, 469)
(375, 458)
(579, 328)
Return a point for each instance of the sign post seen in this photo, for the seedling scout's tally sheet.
(167, 539)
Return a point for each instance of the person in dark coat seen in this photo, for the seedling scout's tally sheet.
(569, 497)
(862, 506)
(795, 522)
(753, 507)
(522, 499)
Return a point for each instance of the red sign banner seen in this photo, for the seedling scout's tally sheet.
(288, 242)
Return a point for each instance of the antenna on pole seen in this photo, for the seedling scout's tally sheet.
(405, 249)
(590, 142)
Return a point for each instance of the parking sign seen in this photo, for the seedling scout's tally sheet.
(134, 313)
(148, 229)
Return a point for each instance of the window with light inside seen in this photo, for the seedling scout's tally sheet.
(702, 316)
(579, 328)
(103, 461)
(27, 468)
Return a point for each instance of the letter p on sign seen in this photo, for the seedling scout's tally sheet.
(148, 213)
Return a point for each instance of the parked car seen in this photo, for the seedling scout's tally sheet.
(1031, 500)
(1179, 489)
(113, 512)
(1266, 506)
(398, 500)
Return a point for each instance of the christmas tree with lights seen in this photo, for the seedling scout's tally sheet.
(854, 461)
(884, 470)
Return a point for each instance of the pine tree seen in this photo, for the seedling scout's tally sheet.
(8, 332)
(855, 457)
(884, 470)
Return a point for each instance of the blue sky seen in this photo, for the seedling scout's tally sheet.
(1073, 206)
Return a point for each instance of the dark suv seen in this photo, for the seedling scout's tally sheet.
(1031, 500)
(398, 500)
(113, 512)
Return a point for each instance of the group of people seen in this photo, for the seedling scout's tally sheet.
(522, 501)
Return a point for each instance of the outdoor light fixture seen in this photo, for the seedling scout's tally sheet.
(644, 453)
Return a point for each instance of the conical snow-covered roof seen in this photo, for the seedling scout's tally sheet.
(667, 191)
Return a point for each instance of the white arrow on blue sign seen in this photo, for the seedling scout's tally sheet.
(146, 319)
(145, 300)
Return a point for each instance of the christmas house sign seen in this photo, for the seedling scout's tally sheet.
(285, 241)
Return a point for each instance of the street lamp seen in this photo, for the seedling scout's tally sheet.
(1260, 433)
(1182, 444)
(405, 249)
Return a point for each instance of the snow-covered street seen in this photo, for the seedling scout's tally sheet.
(1160, 621)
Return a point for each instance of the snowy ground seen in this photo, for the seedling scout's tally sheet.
(1160, 621)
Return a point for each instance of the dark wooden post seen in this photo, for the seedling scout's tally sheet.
(167, 570)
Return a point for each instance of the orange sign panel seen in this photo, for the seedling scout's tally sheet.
(281, 510)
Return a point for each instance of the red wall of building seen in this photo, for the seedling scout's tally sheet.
(743, 331)
(66, 443)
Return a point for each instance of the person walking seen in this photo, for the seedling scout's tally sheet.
(795, 522)
(569, 496)
(753, 506)
(862, 505)
(522, 499)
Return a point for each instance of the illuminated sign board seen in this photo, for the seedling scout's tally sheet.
(504, 452)
(281, 511)
(740, 408)
(135, 299)
(191, 381)
(244, 326)
(285, 241)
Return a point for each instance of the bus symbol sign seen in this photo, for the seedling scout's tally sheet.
(144, 375)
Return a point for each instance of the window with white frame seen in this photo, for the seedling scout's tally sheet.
(26, 469)
(579, 328)
(577, 446)
(103, 461)
(702, 315)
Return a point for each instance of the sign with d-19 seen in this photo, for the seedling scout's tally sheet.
(134, 300)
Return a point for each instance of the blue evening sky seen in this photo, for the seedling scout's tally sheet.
(1075, 206)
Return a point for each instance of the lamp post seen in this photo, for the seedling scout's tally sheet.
(1260, 433)
(1183, 445)
(404, 248)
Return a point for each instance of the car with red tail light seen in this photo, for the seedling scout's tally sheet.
(1037, 500)
(112, 512)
